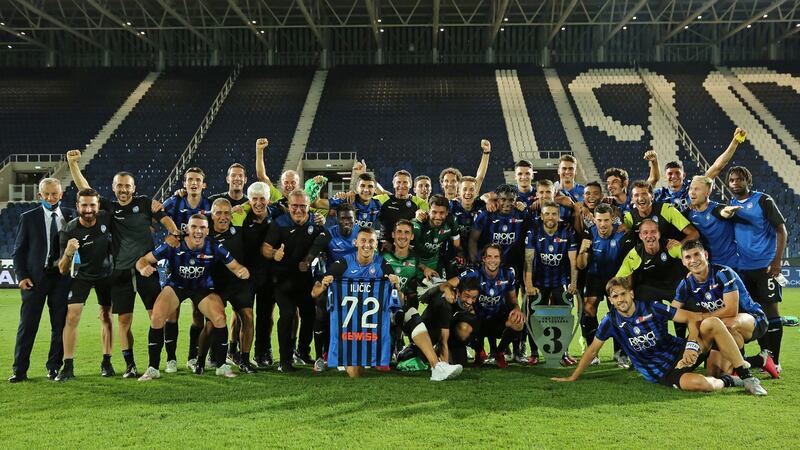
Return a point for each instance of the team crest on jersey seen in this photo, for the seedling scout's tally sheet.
(310, 229)
(749, 206)
(491, 291)
(191, 261)
(233, 231)
(372, 271)
(505, 227)
(441, 231)
(408, 204)
(398, 270)
(655, 219)
(102, 228)
(663, 257)
(709, 296)
(551, 248)
(637, 331)
(708, 216)
(135, 209)
(613, 244)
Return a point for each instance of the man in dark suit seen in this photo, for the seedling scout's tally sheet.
(36, 254)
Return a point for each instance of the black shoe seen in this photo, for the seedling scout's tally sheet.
(198, 370)
(130, 372)
(18, 377)
(65, 375)
(234, 358)
(286, 368)
(52, 374)
(407, 353)
(303, 359)
(246, 367)
(267, 358)
(107, 370)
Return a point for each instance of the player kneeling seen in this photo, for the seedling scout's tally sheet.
(190, 277)
(641, 328)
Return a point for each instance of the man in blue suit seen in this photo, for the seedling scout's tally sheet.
(36, 254)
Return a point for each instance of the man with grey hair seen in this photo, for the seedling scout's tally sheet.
(292, 245)
(36, 254)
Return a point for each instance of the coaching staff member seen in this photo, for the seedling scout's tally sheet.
(289, 243)
(36, 253)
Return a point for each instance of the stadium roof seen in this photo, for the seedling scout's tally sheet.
(27, 23)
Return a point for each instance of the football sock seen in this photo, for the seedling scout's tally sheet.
(128, 355)
(743, 372)
(220, 341)
(589, 326)
(106, 359)
(194, 335)
(171, 340)
(155, 341)
(727, 380)
(67, 364)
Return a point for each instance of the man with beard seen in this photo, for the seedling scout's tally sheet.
(291, 243)
(617, 182)
(131, 236)
(86, 243)
(450, 177)
(400, 205)
(367, 208)
(642, 328)
(190, 277)
(432, 231)
(592, 196)
(715, 290)
(497, 314)
(464, 209)
(545, 192)
(676, 192)
(600, 255)
(760, 242)
(180, 208)
(503, 227)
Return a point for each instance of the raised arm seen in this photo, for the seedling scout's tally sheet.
(73, 156)
(486, 146)
(261, 168)
(726, 156)
(655, 172)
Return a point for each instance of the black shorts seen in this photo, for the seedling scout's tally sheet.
(196, 295)
(125, 283)
(760, 328)
(552, 295)
(238, 293)
(493, 327)
(595, 287)
(673, 377)
(81, 288)
(763, 288)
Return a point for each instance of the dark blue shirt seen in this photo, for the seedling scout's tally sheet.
(756, 240)
(191, 269)
(605, 257)
(366, 214)
(505, 230)
(178, 209)
(707, 296)
(679, 199)
(716, 233)
(493, 291)
(645, 338)
(551, 266)
(339, 245)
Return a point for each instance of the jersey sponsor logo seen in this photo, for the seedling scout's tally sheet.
(504, 238)
(712, 304)
(642, 342)
(191, 272)
(641, 319)
(550, 259)
(490, 300)
(204, 256)
(360, 336)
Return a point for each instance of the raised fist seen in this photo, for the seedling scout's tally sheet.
(261, 144)
(73, 156)
(486, 145)
(740, 135)
(651, 155)
(72, 246)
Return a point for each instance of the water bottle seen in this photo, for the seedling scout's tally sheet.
(76, 263)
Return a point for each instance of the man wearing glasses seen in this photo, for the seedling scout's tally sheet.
(290, 244)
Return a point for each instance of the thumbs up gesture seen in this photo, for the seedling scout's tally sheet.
(279, 253)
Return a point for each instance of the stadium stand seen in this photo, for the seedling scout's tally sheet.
(156, 132)
(547, 126)
(264, 102)
(9, 218)
(423, 118)
(46, 109)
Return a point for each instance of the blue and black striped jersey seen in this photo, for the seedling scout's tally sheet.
(178, 209)
(360, 320)
(191, 269)
(505, 230)
(494, 290)
(605, 255)
(366, 214)
(707, 296)
(551, 266)
(645, 338)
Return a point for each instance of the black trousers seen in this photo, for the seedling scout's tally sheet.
(52, 290)
(293, 293)
(263, 289)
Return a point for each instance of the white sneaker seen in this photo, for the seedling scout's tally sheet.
(778, 368)
(225, 371)
(190, 364)
(444, 371)
(172, 366)
(150, 374)
(595, 361)
(623, 362)
(753, 386)
(319, 365)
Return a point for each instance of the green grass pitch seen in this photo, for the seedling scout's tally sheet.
(487, 407)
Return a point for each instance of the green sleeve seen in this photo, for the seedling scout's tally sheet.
(421, 204)
(274, 194)
(673, 216)
(631, 262)
(417, 230)
(383, 198)
(675, 252)
(628, 220)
